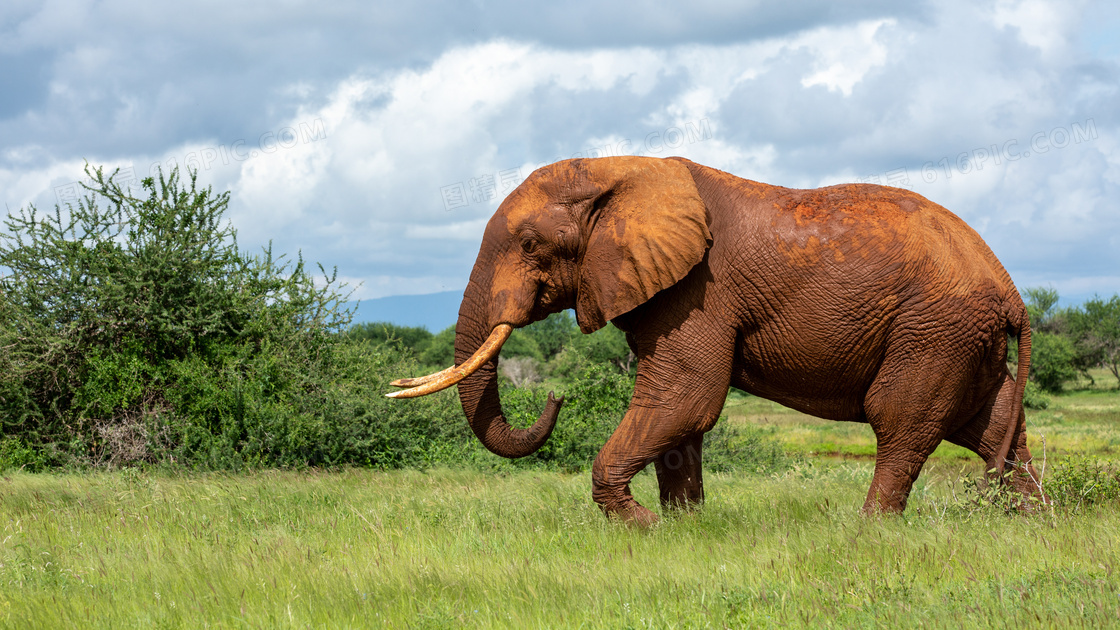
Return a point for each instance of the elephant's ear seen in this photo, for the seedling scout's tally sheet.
(648, 229)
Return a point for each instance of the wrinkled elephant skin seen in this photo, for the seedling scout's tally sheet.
(855, 302)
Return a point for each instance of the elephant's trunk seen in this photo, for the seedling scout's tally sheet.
(476, 372)
(478, 392)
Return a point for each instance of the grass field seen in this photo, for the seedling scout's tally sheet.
(449, 548)
(1081, 422)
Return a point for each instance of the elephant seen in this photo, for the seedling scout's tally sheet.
(853, 302)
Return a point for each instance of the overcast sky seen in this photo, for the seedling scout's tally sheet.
(379, 139)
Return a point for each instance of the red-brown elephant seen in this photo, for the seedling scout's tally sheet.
(853, 302)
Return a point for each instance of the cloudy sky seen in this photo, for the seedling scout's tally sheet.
(379, 139)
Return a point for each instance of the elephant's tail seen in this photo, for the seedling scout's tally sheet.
(1019, 324)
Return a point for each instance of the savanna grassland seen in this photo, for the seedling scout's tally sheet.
(524, 548)
(193, 435)
(1084, 421)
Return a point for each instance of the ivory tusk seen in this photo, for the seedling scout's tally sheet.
(446, 378)
(420, 380)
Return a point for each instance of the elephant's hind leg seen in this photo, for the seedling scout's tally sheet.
(983, 434)
(680, 477)
(910, 405)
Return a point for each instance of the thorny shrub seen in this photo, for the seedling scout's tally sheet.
(135, 330)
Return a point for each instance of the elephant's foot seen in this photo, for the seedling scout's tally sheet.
(895, 472)
(637, 515)
(618, 503)
(1023, 480)
(879, 505)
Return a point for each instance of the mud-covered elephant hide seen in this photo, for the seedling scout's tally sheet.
(855, 302)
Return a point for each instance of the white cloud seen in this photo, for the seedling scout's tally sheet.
(279, 182)
(1044, 24)
(844, 55)
(465, 231)
(24, 187)
(825, 95)
(376, 286)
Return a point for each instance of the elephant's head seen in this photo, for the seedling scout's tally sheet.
(598, 235)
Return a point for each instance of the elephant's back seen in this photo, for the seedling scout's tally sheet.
(823, 250)
(863, 230)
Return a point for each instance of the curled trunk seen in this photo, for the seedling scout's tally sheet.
(478, 392)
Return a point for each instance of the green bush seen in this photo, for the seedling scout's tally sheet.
(595, 401)
(440, 351)
(1052, 361)
(1073, 340)
(1077, 483)
(1034, 397)
(1095, 328)
(97, 299)
(1041, 303)
(327, 409)
(137, 331)
(743, 448)
(605, 346)
(14, 454)
(553, 333)
(522, 344)
(415, 338)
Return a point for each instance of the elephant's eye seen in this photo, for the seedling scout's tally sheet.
(528, 245)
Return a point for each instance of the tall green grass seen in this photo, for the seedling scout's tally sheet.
(1078, 422)
(409, 549)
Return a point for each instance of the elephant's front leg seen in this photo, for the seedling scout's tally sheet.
(647, 435)
(673, 406)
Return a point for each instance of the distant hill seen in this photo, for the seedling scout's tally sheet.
(434, 311)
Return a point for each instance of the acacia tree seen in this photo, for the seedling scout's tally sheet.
(113, 310)
(415, 337)
(606, 345)
(1054, 357)
(1096, 328)
(1042, 305)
